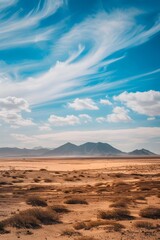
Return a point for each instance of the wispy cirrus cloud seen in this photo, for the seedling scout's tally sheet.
(18, 30)
(4, 4)
(106, 34)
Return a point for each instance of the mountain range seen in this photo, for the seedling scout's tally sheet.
(89, 149)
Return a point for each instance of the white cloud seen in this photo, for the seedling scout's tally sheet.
(146, 103)
(69, 120)
(14, 104)
(105, 102)
(81, 104)
(18, 30)
(11, 109)
(151, 118)
(24, 138)
(45, 127)
(85, 118)
(107, 33)
(7, 3)
(62, 121)
(119, 114)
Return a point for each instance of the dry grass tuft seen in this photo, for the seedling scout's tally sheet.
(150, 212)
(144, 224)
(32, 218)
(36, 201)
(116, 214)
(116, 227)
(122, 203)
(59, 208)
(85, 238)
(76, 201)
(2, 228)
(70, 233)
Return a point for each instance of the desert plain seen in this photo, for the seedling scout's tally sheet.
(80, 198)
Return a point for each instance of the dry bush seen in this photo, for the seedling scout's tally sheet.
(43, 170)
(76, 201)
(80, 225)
(2, 228)
(70, 233)
(122, 203)
(87, 225)
(85, 238)
(23, 220)
(48, 180)
(36, 201)
(36, 180)
(69, 179)
(144, 224)
(150, 212)
(117, 227)
(116, 214)
(59, 208)
(32, 218)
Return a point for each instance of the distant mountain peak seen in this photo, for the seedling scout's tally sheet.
(142, 151)
(91, 149)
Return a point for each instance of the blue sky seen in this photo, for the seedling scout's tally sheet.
(80, 70)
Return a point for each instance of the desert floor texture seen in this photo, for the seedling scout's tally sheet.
(80, 199)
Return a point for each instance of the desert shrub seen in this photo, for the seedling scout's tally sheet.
(43, 169)
(87, 225)
(59, 208)
(36, 180)
(45, 216)
(117, 214)
(117, 227)
(47, 180)
(2, 228)
(23, 220)
(119, 204)
(70, 233)
(144, 224)
(36, 201)
(150, 212)
(76, 201)
(85, 238)
(32, 218)
(80, 225)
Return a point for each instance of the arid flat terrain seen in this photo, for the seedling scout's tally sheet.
(80, 199)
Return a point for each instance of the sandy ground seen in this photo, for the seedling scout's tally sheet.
(102, 184)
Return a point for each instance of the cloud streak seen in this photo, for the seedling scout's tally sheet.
(106, 33)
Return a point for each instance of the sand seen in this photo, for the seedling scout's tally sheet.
(102, 184)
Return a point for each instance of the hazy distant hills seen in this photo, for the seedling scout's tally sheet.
(18, 152)
(141, 152)
(87, 149)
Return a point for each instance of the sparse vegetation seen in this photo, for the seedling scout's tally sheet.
(122, 203)
(36, 201)
(76, 201)
(59, 208)
(144, 224)
(115, 214)
(32, 218)
(70, 233)
(85, 238)
(150, 212)
(2, 228)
